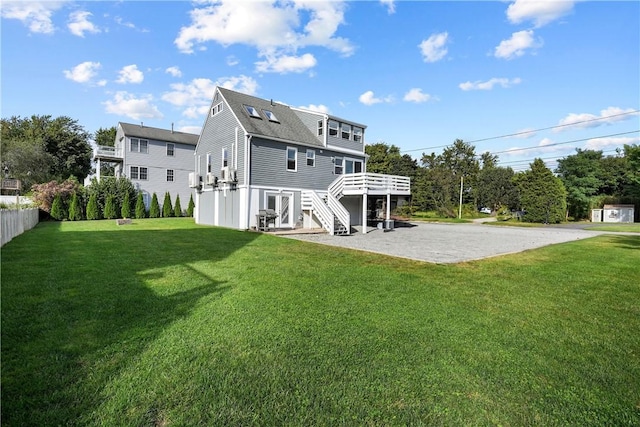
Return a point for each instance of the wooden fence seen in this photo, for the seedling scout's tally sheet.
(16, 221)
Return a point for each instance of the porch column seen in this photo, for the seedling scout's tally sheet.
(388, 206)
(364, 213)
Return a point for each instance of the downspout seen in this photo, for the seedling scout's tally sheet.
(247, 176)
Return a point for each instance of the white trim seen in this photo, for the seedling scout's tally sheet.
(295, 159)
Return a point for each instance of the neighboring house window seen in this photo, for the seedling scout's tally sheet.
(137, 172)
(216, 109)
(139, 145)
(170, 149)
(169, 175)
(272, 117)
(320, 127)
(252, 111)
(333, 128)
(209, 162)
(225, 158)
(292, 155)
(311, 157)
(357, 134)
(346, 131)
(337, 166)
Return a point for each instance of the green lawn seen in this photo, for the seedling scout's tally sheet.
(629, 228)
(165, 323)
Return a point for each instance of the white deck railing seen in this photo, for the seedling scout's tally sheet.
(340, 211)
(106, 151)
(360, 183)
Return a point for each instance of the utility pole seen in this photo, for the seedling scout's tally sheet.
(460, 206)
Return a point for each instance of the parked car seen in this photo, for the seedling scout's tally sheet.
(485, 210)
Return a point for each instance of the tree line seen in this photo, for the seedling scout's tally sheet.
(581, 182)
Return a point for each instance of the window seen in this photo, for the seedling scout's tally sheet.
(139, 145)
(225, 157)
(252, 111)
(170, 149)
(346, 131)
(333, 128)
(337, 166)
(216, 109)
(272, 117)
(138, 172)
(357, 134)
(320, 127)
(292, 155)
(311, 157)
(169, 175)
(209, 163)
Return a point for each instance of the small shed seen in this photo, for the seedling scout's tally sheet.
(613, 213)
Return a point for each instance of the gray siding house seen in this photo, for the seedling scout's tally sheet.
(155, 160)
(308, 168)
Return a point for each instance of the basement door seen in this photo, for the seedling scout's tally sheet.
(282, 203)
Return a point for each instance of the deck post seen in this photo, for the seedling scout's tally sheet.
(98, 170)
(388, 205)
(364, 212)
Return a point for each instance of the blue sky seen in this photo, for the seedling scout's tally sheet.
(419, 74)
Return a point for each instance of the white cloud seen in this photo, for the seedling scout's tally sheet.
(127, 104)
(191, 129)
(368, 98)
(232, 60)
(517, 44)
(130, 74)
(84, 72)
(587, 120)
(434, 48)
(489, 84)
(610, 143)
(79, 23)
(390, 4)
(174, 71)
(276, 29)
(287, 64)
(317, 108)
(36, 15)
(196, 95)
(416, 95)
(541, 12)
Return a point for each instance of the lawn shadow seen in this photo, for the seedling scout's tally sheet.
(78, 306)
(627, 242)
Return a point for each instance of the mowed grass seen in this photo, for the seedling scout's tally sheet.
(166, 323)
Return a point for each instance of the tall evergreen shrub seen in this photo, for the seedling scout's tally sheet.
(125, 210)
(57, 208)
(167, 209)
(190, 207)
(177, 210)
(110, 207)
(154, 209)
(75, 209)
(141, 211)
(93, 211)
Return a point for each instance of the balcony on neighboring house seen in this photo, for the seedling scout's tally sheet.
(109, 154)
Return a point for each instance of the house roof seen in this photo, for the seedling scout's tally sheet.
(141, 131)
(289, 127)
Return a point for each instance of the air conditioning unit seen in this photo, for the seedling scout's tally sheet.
(228, 174)
(212, 179)
(194, 180)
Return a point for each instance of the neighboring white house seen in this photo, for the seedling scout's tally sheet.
(155, 160)
(307, 169)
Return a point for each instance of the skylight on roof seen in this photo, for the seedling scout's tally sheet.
(252, 111)
(272, 117)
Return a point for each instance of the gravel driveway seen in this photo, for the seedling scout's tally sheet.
(450, 243)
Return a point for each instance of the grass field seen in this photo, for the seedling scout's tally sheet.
(165, 323)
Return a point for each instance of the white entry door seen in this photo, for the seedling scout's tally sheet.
(282, 203)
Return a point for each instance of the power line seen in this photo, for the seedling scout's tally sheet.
(529, 131)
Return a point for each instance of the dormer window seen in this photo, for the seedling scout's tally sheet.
(272, 117)
(333, 128)
(320, 127)
(357, 134)
(346, 131)
(252, 111)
